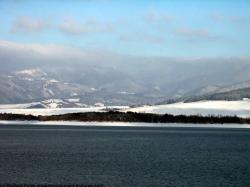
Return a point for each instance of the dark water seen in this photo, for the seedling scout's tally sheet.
(125, 156)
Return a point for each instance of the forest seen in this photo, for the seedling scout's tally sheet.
(114, 116)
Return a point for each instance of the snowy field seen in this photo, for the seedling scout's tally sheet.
(56, 111)
(231, 108)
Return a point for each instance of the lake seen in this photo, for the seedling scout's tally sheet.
(124, 156)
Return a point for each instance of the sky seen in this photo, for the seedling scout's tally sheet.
(180, 28)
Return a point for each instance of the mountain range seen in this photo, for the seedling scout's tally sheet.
(107, 86)
(33, 73)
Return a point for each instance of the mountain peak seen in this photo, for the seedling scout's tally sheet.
(36, 72)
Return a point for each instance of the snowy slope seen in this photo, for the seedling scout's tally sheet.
(50, 103)
(239, 108)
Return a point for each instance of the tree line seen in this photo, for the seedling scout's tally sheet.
(114, 116)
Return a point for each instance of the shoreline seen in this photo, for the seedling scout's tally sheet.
(120, 124)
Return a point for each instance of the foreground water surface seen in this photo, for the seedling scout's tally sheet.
(124, 156)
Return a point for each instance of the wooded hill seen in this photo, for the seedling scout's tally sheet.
(129, 117)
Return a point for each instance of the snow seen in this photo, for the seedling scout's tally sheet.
(50, 91)
(73, 100)
(231, 108)
(28, 79)
(57, 111)
(53, 105)
(51, 111)
(126, 93)
(73, 94)
(53, 81)
(19, 106)
(239, 108)
(53, 101)
(99, 104)
(81, 104)
(246, 99)
(31, 72)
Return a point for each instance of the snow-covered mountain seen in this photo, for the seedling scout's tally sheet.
(237, 91)
(146, 81)
(32, 85)
(33, 73)
(36, 85)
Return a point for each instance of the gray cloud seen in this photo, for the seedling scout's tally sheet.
(68, 26)
(42, 51)
(16, 55)
(71, 26)
(27, 24)
(44, 54)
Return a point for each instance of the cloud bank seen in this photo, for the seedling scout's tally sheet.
(14, 54)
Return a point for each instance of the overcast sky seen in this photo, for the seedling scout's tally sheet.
(180, 28)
